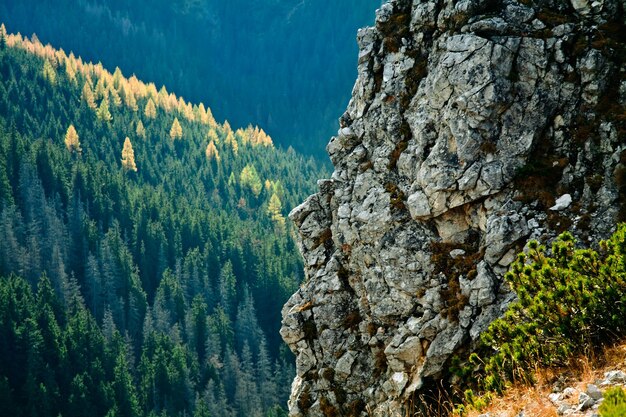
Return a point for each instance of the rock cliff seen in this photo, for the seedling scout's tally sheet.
(474, 126)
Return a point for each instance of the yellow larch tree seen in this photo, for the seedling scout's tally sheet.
(115, 97)
(188, 112)
(232, 141)
(249, 178)
(88, 96)
(226, 129)
(211, 152)
(140, 130)
(103, 112)
(70, 71)
(49, 73)
(176, 132)
(150, 110)
(274, 209)
(164, 99)
(101, 90)
(212, 136)
(210, 119)
(129, 99)
(128, 157)
(117, 78)
(3, 37)
(200, 113)
(71, 140)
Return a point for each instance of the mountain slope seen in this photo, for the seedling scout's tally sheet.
(287, 65)
(152, 222)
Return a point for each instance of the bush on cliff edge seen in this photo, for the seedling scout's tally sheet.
(570, 302)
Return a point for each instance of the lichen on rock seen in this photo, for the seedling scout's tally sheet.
(468, 120)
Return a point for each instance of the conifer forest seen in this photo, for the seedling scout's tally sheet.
(144, 253)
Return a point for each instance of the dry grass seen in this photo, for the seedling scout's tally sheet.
(534, 399)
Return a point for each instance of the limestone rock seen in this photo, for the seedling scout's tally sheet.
(467, 119)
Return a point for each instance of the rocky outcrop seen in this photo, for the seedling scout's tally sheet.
(474, 126)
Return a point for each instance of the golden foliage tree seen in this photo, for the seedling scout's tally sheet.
(49, 73)
(249, 178)
(210, 119)
(129, 99)
(71, 140)
(274, 209)
(150, 110)
(211, 152)
(232, 141)
(3, 37)
(101, 90)
(103, 112)
(115, 97)
(163, 98)
(88, 96)
(128, 157)
(140, 130)
(188, 112)
(212, 136)
(70, 71)
(176, 132)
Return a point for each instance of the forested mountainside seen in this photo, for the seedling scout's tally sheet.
(144, 250)
(288, 65)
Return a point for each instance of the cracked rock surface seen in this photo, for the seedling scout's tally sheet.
(468, 122)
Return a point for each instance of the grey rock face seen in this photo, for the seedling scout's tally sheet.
(467, 121)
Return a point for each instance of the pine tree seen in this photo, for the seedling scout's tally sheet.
(211, 152)
(103, 112)
(128, 156)
(150, 110)
(176, 132)
(71, 140)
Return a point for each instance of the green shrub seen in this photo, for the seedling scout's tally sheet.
(614, 404)
(569, 302)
